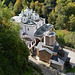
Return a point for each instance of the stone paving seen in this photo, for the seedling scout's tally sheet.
(45, 67)
(72, 56)
(70, 74)
(47, 70)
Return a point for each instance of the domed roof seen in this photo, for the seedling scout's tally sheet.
(41, 30)
(27, 9)
(30, 22)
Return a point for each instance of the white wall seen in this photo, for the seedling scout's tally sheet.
(24, 19)
(34, 17)
(32, 45)
(30, 30)
(28, 13)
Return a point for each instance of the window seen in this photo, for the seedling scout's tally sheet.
(29, 45)
(32, 43)
(28, 29)
(35, 17)
(24, 19)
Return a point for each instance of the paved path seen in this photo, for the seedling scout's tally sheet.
(45, 67)
(72, 56)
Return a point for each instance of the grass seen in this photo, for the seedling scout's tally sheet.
(72, 70)
(36, 67)
(29, 72)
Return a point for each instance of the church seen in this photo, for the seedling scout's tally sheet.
(41, 38)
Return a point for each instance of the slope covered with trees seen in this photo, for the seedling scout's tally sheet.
(63, 17)
(13, 51)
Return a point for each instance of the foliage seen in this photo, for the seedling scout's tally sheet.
(32, 5)
(72, 70)
(36, 67)
(66, 38)
(13, 51)
(51, 17)
(38, 7)
(44, 11)
(18, 6)
(64, 17)
(72, 22)
(51, 3)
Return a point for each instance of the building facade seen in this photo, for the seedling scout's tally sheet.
(41, 38)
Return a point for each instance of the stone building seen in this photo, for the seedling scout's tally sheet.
(50, 51)
(41, 38)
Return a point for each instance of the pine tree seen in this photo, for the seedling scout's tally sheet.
(32, 5)
(18, 6)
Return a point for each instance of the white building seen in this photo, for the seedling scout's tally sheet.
(29, 21)
(35, 32)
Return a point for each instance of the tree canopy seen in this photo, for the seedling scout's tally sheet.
(13, 51)
(64, 12)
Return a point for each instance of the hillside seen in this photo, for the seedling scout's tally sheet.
(13, 51)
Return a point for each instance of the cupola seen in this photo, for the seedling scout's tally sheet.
(50, 38)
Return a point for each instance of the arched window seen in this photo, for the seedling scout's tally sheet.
(24, 19)
(35, 17)
(28, 29)
(29, 45)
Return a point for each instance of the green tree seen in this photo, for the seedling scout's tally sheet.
(61, 22)
(32, 5)
(13, 51)
(52, 17)
(44, 11)
(18, 6)
(63, 10)
(51, 3)
(24, 2)
(72, 22)
(10, 6)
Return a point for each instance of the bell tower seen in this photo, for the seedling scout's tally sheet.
(50, 38)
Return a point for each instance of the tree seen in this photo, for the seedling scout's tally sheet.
(13, 51)
(24, 2)
(63, 10)
(10, 6)
(51, 17)
(61, 22)
(18, 6)
(32, 5)
(51, 3)
(72, 22)
(44, 11)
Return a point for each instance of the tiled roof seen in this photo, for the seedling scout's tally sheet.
(46, 49)
(41, 30)
(30, 22)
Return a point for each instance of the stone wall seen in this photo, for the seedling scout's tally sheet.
(44, 56)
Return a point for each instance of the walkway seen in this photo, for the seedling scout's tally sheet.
(72, 56)
(45, 67)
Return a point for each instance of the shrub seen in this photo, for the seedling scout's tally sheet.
(66, 38)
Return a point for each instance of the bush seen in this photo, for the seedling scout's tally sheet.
(66, 38)
(72, 70)
(36, 67)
